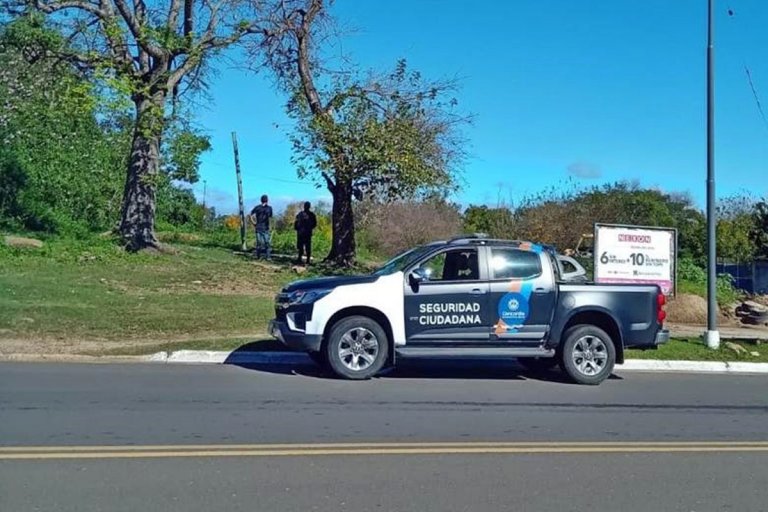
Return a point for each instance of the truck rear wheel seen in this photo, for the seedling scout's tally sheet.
(357, 348)
(588, 354)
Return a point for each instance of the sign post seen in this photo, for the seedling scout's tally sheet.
(636, 255)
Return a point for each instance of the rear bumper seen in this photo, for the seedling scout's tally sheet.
(294, 339)
(662, 337)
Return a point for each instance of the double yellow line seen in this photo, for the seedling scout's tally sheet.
(310, 450)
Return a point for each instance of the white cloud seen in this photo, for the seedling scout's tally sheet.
(585, 170)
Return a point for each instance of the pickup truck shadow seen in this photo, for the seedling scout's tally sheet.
(429, 369)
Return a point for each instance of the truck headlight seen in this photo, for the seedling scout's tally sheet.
(307, 296)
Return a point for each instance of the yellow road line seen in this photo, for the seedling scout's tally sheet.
(297, 450)
(475, 444)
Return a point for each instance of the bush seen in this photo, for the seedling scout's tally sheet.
(693, 279)
(386, 229)
(688, 271)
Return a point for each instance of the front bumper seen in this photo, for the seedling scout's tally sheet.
(294, 339)
(662, 337)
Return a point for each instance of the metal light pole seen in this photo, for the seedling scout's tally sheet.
(713, 335)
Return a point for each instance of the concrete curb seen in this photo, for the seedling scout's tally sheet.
(220, 357)
(648, 365)
(298, 358)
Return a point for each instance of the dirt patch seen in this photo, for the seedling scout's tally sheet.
(54, 348)
(239, 286)
(23, 243)
(691, 310)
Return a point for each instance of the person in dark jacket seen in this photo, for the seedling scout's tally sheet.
(260, 217)
(304, 224)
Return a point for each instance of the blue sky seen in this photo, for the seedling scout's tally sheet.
(596, 90)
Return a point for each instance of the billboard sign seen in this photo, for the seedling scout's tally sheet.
(636, 255)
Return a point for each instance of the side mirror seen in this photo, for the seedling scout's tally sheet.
(416, 277)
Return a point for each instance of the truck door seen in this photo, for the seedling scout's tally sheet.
(450, 300)
(522, 293)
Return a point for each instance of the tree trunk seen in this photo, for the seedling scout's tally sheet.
(137, 223)
(343, 221)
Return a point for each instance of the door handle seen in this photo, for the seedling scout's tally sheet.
(477, 291)
(540, 291)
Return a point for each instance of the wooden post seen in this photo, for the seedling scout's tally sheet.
(239, 192)
(205, 209)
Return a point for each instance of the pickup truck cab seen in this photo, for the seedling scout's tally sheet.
(470, 297)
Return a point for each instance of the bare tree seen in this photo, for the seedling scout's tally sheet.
(151, 51)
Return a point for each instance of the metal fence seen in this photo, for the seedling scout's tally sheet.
(752, 277)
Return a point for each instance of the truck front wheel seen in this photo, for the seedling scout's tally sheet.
(587, 354)
(357, 348)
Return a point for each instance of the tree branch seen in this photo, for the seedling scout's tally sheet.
(188, 17)
(134, 25)
(329, 182)
(173, 14)
(305, 73)
(60, 5)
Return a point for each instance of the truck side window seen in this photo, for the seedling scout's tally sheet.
(514, 264)
(455, 265)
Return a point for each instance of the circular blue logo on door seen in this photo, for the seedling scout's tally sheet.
(513, 307)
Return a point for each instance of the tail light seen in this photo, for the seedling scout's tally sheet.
(661, 315)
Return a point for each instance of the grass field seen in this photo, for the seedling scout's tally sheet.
(91, 298)
(82, 300)
(695, 350)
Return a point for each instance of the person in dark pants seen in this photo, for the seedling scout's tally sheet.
(304, 224)
(260, 216)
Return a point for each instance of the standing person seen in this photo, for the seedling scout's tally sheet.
(260, 216)
(304, 224)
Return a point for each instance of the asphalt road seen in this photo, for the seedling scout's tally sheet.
(426, 437)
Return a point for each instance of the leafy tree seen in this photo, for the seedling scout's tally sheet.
(759, 233)
(497, 222)
(735, 224)
(561, 215)
(387, 137)
(150, 52)
(13, 179)
(58, 133)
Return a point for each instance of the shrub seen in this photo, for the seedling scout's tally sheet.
(387, 229)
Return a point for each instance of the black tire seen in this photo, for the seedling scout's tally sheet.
(599, 361)
(320, 358)
(357, 339)
(538, 364)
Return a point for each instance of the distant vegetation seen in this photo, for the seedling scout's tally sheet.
(388, 140)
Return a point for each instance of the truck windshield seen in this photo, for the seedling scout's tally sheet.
(402, 260)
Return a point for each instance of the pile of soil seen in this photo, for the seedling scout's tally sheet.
(690, 310)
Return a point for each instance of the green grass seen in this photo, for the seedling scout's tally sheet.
(90, 297)
(696, 350)
(726, 293)
(101, 293)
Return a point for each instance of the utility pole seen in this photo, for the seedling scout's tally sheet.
(205, 210)
(239, 192)
(713, 335)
